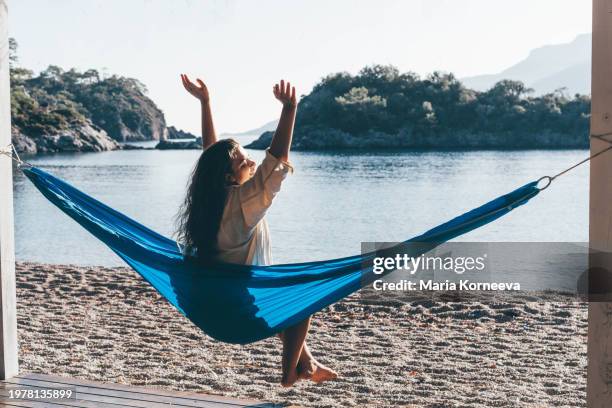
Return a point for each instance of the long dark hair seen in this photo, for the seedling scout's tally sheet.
(200, 214)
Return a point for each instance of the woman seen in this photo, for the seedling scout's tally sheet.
(223, 215)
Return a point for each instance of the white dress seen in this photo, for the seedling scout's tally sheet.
(244, 237)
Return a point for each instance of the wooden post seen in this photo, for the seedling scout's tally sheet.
(599, 352)
(8, 316)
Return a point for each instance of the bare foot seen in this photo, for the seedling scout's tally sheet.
(322, 373)
(306, 369)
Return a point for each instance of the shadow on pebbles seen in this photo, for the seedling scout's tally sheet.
(107, 324)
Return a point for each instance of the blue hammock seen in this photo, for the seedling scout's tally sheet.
(246, 303)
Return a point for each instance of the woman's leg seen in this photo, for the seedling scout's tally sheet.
(298, 362)
(305, 366)
(293, 343)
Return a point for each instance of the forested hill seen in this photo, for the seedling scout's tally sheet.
(60, 110)
(383, 108)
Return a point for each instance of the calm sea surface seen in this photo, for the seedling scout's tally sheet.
(332, 202)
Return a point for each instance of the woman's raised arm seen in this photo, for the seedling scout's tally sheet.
(281, 141)
(200, 91)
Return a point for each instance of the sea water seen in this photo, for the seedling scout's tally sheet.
(334, 200)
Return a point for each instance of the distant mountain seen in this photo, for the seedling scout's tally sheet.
(547, 68)
(577, 79)
(268, 127)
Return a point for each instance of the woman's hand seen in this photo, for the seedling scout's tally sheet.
(200, 91)
(285, 93)
(281, 141)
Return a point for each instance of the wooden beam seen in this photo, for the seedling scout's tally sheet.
(599, 352)
(98, 394)
(8, 316)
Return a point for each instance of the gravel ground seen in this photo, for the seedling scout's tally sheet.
(107, 324)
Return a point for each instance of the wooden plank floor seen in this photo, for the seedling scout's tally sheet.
(107, 395)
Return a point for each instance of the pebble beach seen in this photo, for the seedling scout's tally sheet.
(107, 324)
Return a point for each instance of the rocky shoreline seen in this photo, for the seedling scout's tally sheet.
(89, 139)
(85, 138)
(195, 144)
(319, 138)
(92, 139)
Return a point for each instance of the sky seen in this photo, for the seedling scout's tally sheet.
(240, 48)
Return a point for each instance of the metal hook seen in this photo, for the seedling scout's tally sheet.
(550, 180)
(10, 152)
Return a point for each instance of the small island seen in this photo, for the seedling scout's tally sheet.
(72, 111)
(383, 108)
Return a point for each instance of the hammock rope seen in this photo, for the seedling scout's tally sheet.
(246, 303)
(599, 137)
(11, 151)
